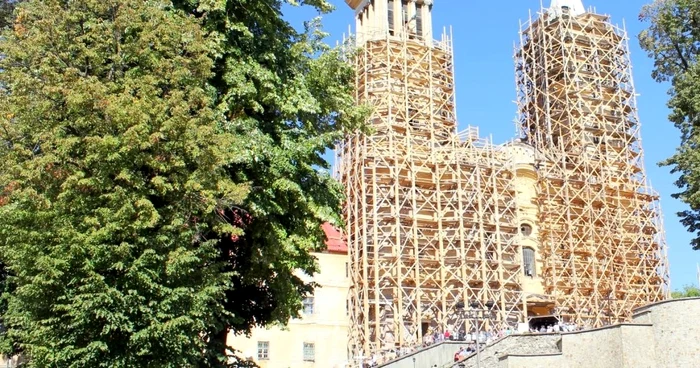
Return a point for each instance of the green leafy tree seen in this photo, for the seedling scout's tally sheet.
(114, 168)
(162, 186)
(8, 347)
(673, 41)
(688, 291)
(291, 96)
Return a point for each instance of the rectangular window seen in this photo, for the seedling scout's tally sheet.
(263, 350)
(529, 261)
(391, 16)
(419, 20)
(347, 270)
(309, 305)
(404, 12)
(309, 352)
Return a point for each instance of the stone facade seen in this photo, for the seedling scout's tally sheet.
(675, 333)
(529, 361)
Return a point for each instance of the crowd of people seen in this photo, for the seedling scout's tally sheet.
(560, 327)
(436, 337)
(463, 352)
(482, 338)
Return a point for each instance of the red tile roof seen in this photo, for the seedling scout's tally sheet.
(335, 242)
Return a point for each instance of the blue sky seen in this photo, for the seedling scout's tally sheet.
(484, 35)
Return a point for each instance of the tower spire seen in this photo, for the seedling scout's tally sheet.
(575, 7)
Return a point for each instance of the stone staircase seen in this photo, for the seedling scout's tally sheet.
(442, 354)
(660, 335)
(536, 344)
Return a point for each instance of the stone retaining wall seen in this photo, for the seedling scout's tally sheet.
(662, 335)
(546, 343)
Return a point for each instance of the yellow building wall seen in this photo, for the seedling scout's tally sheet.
(526, 196)
(326, 328)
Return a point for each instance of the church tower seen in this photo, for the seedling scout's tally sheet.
(430, 213)
(600, 228)
(378, 18)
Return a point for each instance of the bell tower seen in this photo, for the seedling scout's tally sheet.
(429, 212)
(377, 19)
(600, 227)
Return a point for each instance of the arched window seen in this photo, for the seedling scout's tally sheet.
(529, 262)
(525, 229)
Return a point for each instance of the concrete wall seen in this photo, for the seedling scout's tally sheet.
(516, 345)
(427, 357)
(663, 335)
(636, 349)
(676, 331)
(327, 328)
(531, 361)
(592, 348)
(615, 346)
(626, 345)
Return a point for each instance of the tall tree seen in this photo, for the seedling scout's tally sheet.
(673, 41)
(8, 345)
(114, 168)
(178, 176)
(292, 97)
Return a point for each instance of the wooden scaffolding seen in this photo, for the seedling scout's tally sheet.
(600, 223)
(431, 214)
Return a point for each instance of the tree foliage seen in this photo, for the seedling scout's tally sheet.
(163, 175)
(673, 41)
(8, 347)
(688, 291)
(292, 97)
(113, 167)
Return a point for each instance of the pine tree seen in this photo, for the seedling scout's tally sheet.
(115, 167)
